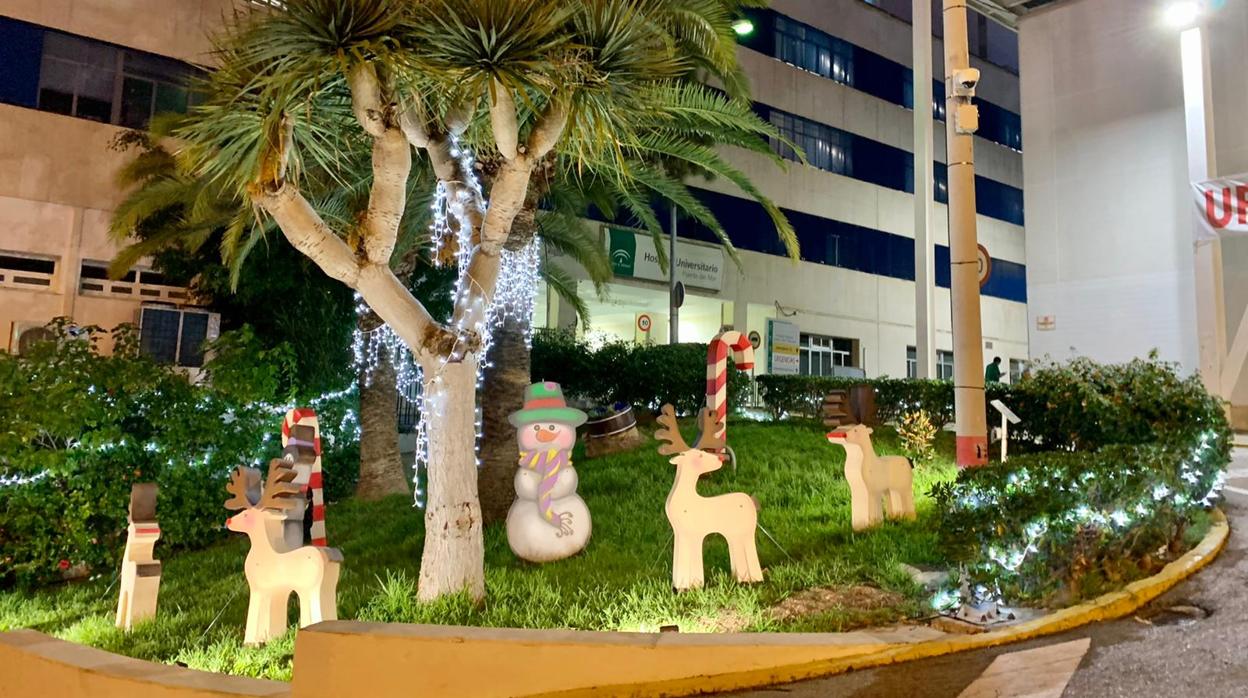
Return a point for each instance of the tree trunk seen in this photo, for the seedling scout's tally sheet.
(381, 468)
(501, 394)
(454, 554)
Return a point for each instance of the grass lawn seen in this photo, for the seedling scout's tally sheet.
(621, 581)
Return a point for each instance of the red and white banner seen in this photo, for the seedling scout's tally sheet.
(1222, 206)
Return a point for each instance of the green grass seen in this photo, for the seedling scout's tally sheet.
(621, 581)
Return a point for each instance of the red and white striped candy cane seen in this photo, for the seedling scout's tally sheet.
(717, 371)
(301, 440)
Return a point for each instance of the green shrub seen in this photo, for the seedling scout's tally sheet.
(803, 396)
(1134, 454)
(646, 376)
(918, 436)
(78, 428)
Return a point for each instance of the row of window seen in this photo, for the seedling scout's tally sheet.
(821, 53)
(66, 74)
(18, 270)
(986, 39)
(944, 365)
(851, 155)
(839, 244)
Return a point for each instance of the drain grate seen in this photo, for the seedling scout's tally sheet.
(1180, 614)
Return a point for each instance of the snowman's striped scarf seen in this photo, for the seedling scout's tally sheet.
(548, 463)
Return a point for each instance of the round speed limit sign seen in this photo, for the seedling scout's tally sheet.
(644, 322)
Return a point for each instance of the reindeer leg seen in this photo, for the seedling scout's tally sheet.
(321, 601)
(875, 508)
(255, 607)
(273, 615)
(754, 570)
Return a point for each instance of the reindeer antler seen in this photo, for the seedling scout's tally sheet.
(242, 482)
(279, 493)
(710, 438)
(670, 433)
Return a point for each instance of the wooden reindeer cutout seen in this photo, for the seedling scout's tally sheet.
(694, 517)
(273, 570)
(874, 478)
(140, 572)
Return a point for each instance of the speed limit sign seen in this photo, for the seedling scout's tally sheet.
(644, 322)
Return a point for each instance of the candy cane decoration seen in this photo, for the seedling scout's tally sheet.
(301, 444)
(717, 371)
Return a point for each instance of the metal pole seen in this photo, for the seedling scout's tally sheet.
(673, 312)
(1202, 165)
(924, 252)
(968, 344)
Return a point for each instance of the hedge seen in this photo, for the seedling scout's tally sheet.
(78, 428)
(1123, 460)
(646, 376)
(803, 396)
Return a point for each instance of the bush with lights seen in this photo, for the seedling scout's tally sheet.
(1124, 460)
(77, 428)
(803, 396)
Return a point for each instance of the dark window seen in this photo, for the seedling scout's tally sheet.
(821, 356)
(77, 77)
(27, 264)
(158, 334)
(194, 334)
(21, 46)
(821, 53)
(152, 277)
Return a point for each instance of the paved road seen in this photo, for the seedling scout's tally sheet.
(1125, 658)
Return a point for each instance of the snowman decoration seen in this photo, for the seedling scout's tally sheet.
(548, 521)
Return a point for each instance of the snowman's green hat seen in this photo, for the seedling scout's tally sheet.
(543, 402)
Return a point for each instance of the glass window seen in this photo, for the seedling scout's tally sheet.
(1017, 366)
(944, 365)
(77, 77)
(821, 355)
(912, 362)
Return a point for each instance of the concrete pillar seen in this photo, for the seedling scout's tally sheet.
(968, 345)
(1202, 165)
(924, 252)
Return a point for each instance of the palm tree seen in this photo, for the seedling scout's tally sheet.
(589, 89)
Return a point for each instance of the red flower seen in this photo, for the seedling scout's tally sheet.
(63, 564)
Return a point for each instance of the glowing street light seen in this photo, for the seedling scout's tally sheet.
(743, 27)
(1182, 13)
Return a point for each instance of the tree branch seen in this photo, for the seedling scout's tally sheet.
(392, 163)
(548, 129)
(503, 121)
(308, 233)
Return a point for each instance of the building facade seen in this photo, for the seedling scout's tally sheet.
(1112, 271)
(74, 74)
(834, 77)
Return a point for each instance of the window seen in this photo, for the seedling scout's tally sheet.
(26, 271)
(813, 50)
(144, 283)
(90, 79)
(77, 77)
(820, 355)
(175, 336)
(1017, 366)
(944, 364)
(827, 148)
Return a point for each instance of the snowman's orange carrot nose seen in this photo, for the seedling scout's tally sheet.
(545, 436)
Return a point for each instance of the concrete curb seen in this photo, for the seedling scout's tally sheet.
(1107, 607)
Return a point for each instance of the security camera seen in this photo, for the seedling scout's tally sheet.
(964, 82)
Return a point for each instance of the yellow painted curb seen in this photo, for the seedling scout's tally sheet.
(1107, 607)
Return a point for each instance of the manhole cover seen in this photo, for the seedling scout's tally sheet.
(1180, 614)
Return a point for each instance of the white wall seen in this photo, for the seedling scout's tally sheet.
(1109, 245)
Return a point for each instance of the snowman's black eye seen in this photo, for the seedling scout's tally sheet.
(551, 427)
(537, 427)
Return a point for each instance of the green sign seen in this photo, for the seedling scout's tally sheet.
(623, 251)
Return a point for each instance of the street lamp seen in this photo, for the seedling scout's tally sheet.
(743, 27)
(1201, 166)
(1182, 14)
